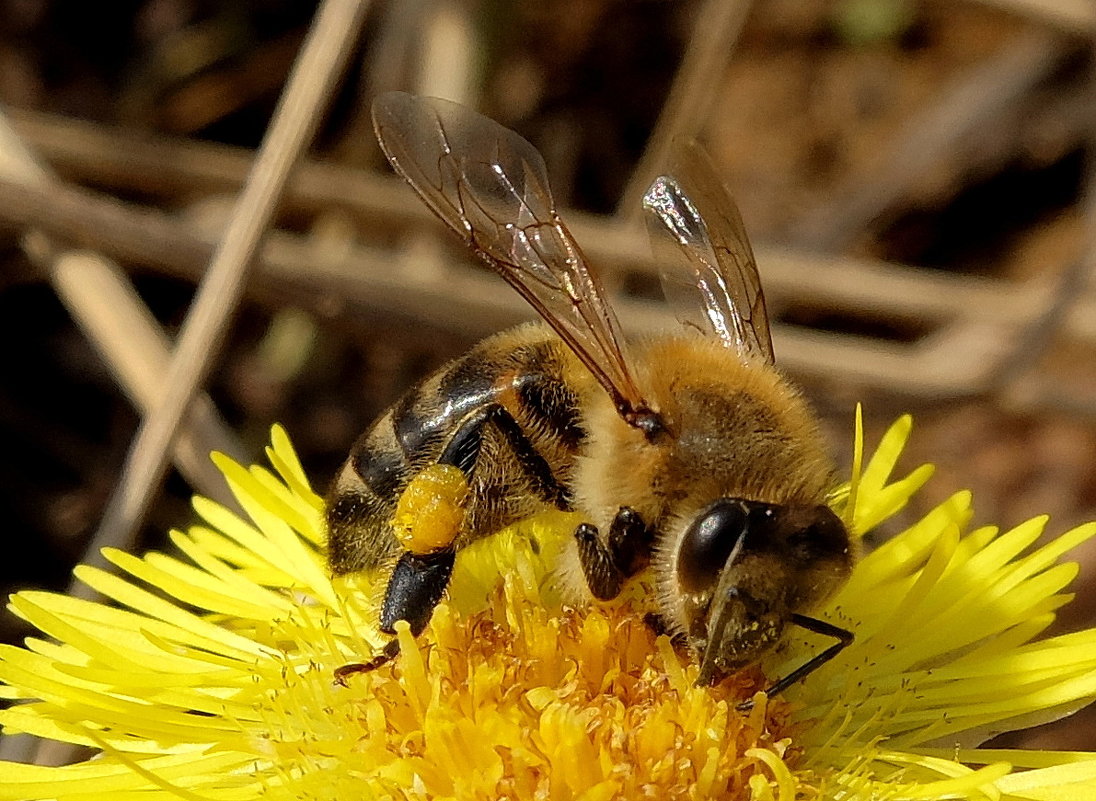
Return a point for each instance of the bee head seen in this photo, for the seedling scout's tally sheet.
(743, 567)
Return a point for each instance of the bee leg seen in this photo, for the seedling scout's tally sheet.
(390, 651)
(464, 447)
(428, 518)
(603, 577)
(417, 585)
(844, 638)
(421, 575)
(607, 565)
(630, 541)
(659, 625)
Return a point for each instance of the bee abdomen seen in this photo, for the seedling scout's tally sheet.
(361, 504)
(356, 539)
(380, 463)
(520, 454)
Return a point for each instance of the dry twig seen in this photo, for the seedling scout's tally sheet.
(1069, 16)
(149, 237)
(104, 303)
(715, 32)
(314, 76)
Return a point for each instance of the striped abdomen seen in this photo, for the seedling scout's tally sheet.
(524, 453)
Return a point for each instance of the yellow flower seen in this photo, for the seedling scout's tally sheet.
(210, 676)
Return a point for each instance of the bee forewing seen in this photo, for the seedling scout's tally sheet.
(490, 186)
(471, 171)
(706, 265)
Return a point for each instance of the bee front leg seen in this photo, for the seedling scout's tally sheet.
(606, 565)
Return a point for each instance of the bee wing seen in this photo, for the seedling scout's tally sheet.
(490, 186)
(707, 266)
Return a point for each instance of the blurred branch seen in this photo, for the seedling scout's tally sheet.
(128, 162)
(104, 303)
(122, 159)
(977, 318)
(150, 237)
(310, 85)
(989, 92)
(448, 55)
(129, 233)
(392, 56)
(717, 27)
(1069, 16)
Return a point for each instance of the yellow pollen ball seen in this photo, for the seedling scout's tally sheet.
(430, 511)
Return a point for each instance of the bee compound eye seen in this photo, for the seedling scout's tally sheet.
(708, 543)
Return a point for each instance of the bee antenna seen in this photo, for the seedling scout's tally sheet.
(844, 638)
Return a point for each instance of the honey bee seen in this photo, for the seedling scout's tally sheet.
(687, 455)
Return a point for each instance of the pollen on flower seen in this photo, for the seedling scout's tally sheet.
(509, 693)
(518, 701)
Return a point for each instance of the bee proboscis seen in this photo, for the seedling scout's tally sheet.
(687, 455)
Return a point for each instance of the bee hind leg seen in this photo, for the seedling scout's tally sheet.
(428, 518)
(416, 586)
(464, 447)
(606, 565)
(390, 651)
